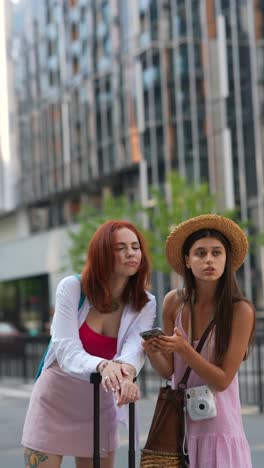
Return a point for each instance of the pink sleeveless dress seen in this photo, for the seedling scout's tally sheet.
(219, 442)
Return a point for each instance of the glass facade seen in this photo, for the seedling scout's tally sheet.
(103, 84)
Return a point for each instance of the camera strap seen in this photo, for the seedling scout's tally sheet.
(183, 382)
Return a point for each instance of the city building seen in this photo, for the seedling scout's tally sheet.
(112, 95)
(8, 162)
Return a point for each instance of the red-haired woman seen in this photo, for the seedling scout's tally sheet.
(103, 335)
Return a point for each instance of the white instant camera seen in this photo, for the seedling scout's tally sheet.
(200, 403)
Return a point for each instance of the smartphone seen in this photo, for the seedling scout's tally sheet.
(152, 333)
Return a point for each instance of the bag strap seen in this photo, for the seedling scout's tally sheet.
(82, 296)
(183, 382)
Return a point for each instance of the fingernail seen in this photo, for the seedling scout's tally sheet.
(117, 388)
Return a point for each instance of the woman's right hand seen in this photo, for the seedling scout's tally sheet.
(112, 376)
(149, 346)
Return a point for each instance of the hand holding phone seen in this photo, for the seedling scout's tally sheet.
(151, 333)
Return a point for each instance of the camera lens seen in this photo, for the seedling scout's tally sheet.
(202, 407)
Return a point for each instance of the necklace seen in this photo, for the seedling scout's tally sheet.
(116, 303)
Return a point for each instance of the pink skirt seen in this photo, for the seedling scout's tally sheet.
(59, 419)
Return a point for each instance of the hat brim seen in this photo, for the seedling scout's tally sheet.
(227, 227)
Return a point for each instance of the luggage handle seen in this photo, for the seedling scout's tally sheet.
(95, 379)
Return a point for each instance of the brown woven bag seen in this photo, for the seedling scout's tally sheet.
(164, 446)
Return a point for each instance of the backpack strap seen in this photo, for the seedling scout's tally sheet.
(82, 296)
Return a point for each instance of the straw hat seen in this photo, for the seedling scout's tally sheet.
(227, 227)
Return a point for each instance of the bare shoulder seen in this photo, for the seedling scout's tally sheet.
(244, 314)
(171, 304)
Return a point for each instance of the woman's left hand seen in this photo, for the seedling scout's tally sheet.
(128, 393)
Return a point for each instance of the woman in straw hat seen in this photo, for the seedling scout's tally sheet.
(206, 251)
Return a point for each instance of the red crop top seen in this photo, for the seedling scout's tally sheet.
(96, 344)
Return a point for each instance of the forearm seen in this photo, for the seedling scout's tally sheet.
(213, 375)
(162, 363)
(73, 360)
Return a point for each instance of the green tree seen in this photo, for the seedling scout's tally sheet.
(183, 200)
(90, 218)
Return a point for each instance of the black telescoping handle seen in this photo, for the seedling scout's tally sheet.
(95, 379)
(131, 440)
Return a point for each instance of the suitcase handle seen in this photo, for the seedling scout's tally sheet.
(95, 379)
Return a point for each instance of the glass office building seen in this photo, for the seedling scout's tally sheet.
(107, 88)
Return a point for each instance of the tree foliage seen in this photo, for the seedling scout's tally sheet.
(182, 201)
(90, 218)
(163, 212)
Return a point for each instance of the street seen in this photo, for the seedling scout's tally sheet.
(13, 404)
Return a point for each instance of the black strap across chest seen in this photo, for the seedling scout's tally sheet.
(183, 382)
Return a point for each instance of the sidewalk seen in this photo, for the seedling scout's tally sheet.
(253, 422)
(15, 387)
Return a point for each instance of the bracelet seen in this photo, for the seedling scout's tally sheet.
(102, 366)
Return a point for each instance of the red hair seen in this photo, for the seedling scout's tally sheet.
(100, 264)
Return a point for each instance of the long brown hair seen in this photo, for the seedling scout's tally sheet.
(227, 293)
(100, 264)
